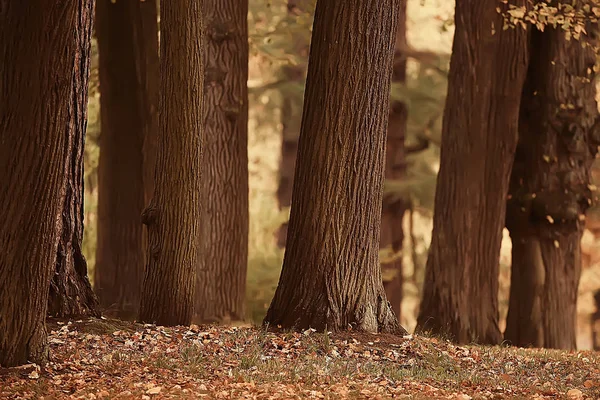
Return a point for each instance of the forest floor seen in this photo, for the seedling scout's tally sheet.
(101, 358)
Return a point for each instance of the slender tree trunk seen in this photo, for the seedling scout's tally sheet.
(331, 277)
(479, 137)
(173, 216)
(392, 233)
(127, 34)
(550, 190)
(39, 121)
(221, 280)
(291, 113)
(71, 293)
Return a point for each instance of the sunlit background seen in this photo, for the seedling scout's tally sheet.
(273, 34)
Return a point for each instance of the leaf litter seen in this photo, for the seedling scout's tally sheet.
(111, 359)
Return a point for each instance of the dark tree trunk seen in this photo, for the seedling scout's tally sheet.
(392, 233)
(40, 124)
(479, 136)
(331, 277)
(173, 217)
(221, 280)
(291, 113)
(549, 193)
(127, 34)
(71, 294)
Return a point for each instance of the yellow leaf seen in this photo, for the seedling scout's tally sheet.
(517, 13)
(154, 390)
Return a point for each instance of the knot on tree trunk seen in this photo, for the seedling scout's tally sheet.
(149, 216)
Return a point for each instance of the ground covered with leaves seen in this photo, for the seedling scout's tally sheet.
(99, 358)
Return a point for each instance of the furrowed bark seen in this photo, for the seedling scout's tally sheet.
(479, 137)
(550, 190)
(173, 216)
(221, 280)
(37, 135)
(331, 278)
(71, 293)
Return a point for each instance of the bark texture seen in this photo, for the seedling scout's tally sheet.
(173, 216)
(550, 190)
(71, 293)
(392, 233)
(291, 114)
(37, 135)
(331, 277)
(127, 34)
(221, 280)
(479, 136)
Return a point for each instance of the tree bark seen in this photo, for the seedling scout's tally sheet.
(479, 136)
(71, 293)
(40, 124)
(291, 114)
(173, 216)
(550, 190)
(392, 233)
(221, 280)
(127, 34)
(331, 279)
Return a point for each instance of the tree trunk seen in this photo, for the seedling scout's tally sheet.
(40, 124)
(71, 293)
(392, 233)
(550, 190)
(221, 280)
(127, 34)
(291, 113)
(331, 279)
(479, 137)
(173, 217)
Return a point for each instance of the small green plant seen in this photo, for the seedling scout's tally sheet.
(192, 354)
(162, 361)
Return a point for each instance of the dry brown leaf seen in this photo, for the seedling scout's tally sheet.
(575, 394)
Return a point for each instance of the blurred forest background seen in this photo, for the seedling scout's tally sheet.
(278, 39)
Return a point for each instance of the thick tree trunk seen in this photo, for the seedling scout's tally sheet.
(331, 277)
(173, 217)
(291, 113)
(392, 233)
(479, 137)
(127, 34)
(549, 193)
(71, 293)
(221, 280)
(39, 121)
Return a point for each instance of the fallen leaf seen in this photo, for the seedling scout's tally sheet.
(575, 394)
(154, 390)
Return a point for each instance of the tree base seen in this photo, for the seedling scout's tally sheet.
(375, 317)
